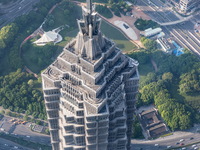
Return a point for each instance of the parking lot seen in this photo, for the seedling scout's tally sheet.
(23, 131)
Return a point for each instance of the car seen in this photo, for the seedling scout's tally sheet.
(184, 148)
(169, 146)
(15, 147)
(177, 143)
(194, 146)
(156, 145)
(181, 140)
(191, 138)
(182, 144)
(6, 144)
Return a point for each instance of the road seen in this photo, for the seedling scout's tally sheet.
(182, 33)
(12, 11)
(186, 36)
(157, 10)
(8, 145)
(171, 140)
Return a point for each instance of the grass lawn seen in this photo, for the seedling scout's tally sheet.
(27, 54)
(60, 18)
(104, 11)
(193, 100)
(144, 69)
(114, 34)
(67, 36)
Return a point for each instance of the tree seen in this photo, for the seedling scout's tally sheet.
(190, 82)
(7, 33)
(47, 131)
(17, 95)
(161, 97)
(30, 82)
(175, 115)
(145, 24)
(2, 112)
(185, 122)
(142, 56)
(167, 77)
(137, 130)
(150, 45)
(151, 77)
(2, 46)
(25, 117)
(149, 91)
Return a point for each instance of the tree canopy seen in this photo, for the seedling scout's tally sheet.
(150, 45)
(175, 76)
(19, 93)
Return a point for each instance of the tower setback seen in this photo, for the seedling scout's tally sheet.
(90, 91)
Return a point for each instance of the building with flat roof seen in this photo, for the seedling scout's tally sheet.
(90, 91)
(165, 45)
(150, 32)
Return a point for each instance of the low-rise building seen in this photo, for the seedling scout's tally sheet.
(150, 32)
(152, 123)
(165, 45)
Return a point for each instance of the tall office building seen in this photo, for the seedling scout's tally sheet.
(90, 91)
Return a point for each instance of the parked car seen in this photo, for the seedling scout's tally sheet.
(194, 146)
(182, 144)
(169, 146)
(181, 140)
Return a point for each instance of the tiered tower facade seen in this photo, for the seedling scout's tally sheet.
(90, 91)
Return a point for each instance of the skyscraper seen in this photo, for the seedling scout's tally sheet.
(90, 91)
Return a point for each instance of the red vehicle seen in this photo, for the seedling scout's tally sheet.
(182, 144)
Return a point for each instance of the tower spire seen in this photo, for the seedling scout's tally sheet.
(89, 5)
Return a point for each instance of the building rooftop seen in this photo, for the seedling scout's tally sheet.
(152, 123)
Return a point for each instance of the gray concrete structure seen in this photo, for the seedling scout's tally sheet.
(90, 91)
(186, 5)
